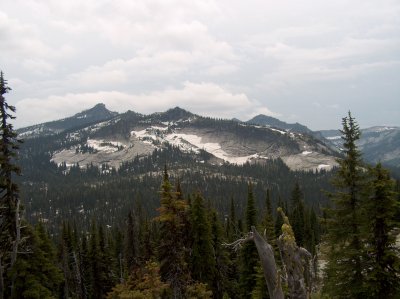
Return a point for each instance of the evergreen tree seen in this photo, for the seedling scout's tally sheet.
(268, 221)
(131, 243)
(249, 255)
(142, 283)
(10, 228)
(383, 263)
(279, 219)
(297, 215)
(101, 279)
(219, 281)
(37, 274)
(231, 222)
(202, 260)
(233, 271)
(344, 270)
(172, 250)
(261, 290)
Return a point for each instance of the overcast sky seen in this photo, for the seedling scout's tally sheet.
(300, 61)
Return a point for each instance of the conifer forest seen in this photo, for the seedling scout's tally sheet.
(166, 226)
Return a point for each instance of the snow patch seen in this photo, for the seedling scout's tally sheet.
(324, 166)
(190, 143)
(305, 153)
(104, 146)
(276, 130)
(333, 138)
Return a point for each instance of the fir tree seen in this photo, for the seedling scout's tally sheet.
(37, 274)
(202, 259)
(383, 263)
(261, 290)
(131, 243)
(343, 275)
(10, 224)
(279, 219)
(219, 281)
(249, 255)
(297, 215)
(172, 250)
(268, 221)
(142, 283)
(231, 222)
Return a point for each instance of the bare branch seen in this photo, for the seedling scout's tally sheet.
(236, 245)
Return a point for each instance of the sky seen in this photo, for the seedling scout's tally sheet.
(297, 60)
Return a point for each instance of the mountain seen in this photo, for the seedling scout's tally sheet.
(98, 136)
(94, 115)
(378, 144)
(264, 120)
(106, 168)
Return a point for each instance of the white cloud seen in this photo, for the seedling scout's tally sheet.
(259, 49)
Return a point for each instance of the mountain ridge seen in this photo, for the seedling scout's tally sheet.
(233, 141)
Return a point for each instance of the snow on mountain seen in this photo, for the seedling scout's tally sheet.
(126, 136)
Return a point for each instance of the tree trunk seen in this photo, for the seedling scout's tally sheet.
(268, 264)
(15, 246)
(295, 259)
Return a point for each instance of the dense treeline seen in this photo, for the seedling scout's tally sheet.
(55, 193)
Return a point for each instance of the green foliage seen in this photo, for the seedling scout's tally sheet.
(249, 256)
(297, 215)
(37, 274)
(143, 283)
(362, 259)
(344, 276)
(202, 260)
(198, 291)
(172, 247)
(9, 191)
(279, 219)
(219, 281)
(131, 243)
(383, 263)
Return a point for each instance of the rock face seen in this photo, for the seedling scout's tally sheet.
(115, 138)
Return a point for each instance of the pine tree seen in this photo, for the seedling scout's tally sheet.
(261, 290)
(131, 243)
(279, 219)
(172, 250)
(202, 260)
(383, 263)
(219, 281)
(231, 222)
(268, 221)
(233, 271)
(297, 215)
(100, 279)
(343, 274)
(249, 255)
(37, 274)
(10, 223)
(144, 282)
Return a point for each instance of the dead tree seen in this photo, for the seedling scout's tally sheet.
(266, 253)
(294, 260)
